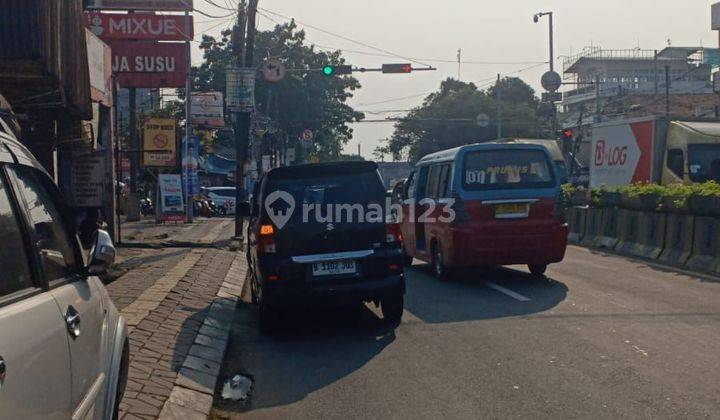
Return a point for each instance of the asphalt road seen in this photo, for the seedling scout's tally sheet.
(601, 337)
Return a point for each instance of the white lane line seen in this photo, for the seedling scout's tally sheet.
(516, 296)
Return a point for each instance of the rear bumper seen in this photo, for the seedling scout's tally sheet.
(296, 283)
(469, 248)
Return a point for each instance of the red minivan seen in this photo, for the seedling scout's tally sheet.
(482, 205)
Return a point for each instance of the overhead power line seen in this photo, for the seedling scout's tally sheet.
(346, 38)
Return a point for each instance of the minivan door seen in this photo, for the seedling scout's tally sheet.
(35, 380)
(421, 209)
(78, 298)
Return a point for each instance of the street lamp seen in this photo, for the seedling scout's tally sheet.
(536, 19)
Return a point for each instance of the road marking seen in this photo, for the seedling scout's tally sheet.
(516, 296)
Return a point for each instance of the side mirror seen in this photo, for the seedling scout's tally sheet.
(243, 209)
(102, 254)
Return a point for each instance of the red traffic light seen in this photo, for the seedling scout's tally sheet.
(397, 68)
(568, 134)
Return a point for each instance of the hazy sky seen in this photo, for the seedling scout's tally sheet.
(496, 31)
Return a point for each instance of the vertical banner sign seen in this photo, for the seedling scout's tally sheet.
(240, 95)
(171, 198)
(88, 179)
(190, 161)
(159, 142)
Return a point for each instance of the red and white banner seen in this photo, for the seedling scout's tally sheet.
(147, 64)
(138, 26)
(622, 153)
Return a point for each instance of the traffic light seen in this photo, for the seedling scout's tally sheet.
(337, 70)
(567, 135)
(397, 68)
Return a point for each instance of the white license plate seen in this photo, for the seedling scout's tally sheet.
(334, 268)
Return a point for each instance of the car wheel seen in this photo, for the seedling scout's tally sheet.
(438, 266)
(122, 380)
(392, 308)
(538, 270)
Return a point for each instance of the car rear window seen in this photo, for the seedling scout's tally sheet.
(360, 188)
(507, 169)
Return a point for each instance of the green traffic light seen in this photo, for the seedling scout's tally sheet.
(328, 70)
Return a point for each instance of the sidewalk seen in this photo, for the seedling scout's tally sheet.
(178, 304)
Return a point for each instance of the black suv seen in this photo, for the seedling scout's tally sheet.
(320, 232)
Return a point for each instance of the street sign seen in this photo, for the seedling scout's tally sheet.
(175, 5)
(551, 81)
(149, 64)
(307, 135)
(138, 26)
(207, 109)
(240, 95)
(552, 97)
(482, 120)
(160, 142)
(273, 70)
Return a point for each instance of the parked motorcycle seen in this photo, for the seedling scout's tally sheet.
(146, 207)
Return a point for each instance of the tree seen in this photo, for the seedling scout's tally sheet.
(304, 100)
(446, 119)
(514, 90)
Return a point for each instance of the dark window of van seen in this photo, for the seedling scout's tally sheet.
(676, 162)
(507, 169)
(444, 182)
(432, 183)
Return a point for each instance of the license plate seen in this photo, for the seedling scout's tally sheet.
(512, 211)
(334, 268)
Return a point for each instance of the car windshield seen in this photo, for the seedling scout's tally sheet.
(704, 162)
(364, 189)
(503, 169)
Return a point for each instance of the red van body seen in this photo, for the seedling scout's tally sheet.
(483, 205)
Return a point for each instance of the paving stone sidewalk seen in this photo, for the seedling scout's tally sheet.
(178, 304)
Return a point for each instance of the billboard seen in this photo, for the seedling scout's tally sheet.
(715, 24)
(159, 138)
(149, 64)
(180, 5)
(172, 205)
(622, 153)
(138, 26)
(207, 109)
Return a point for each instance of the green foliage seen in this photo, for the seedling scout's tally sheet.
(677, 194)
(434, 125)
(304, 100)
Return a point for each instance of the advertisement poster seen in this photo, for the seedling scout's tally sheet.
(622, 153)
(208, 109)
(173, 208)
(159, 142)
(190, 166)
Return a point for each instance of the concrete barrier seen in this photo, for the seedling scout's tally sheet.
(651, 235)
(576, 217)
(679, 230)
(593, 222)
(608, 237)
(705, 254)
(628, 231)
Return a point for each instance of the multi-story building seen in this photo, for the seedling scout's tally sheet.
(633, 83)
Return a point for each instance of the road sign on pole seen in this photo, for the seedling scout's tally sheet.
(273, 70)
(307, 135)
(551, 81)
(482, 120)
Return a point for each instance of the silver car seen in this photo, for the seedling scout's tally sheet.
(63, 345)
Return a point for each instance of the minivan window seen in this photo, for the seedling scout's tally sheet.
(507, 169)
(432, 183)
(53, 239)
(15, 273)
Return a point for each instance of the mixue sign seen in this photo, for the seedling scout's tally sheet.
(138, 26)
(147, 64)
(622, 153)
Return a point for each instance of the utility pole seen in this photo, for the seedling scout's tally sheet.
(552, 44)
(667, 90)
(498, 101)
(188, 125)
(655, 72)
(243, 46)
(598, 115)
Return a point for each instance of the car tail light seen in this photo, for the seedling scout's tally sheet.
(393, 233)
(266, 242)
